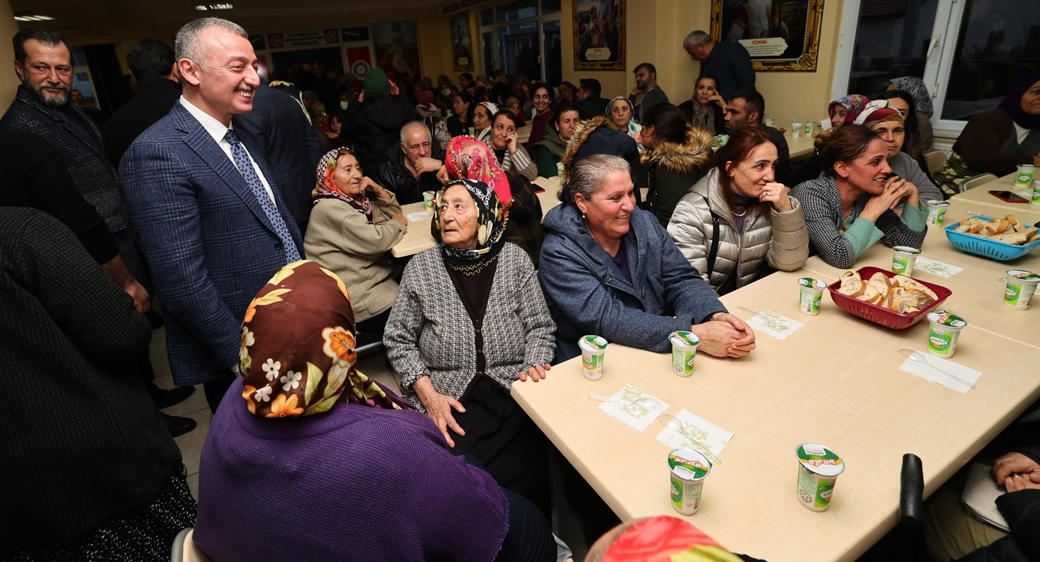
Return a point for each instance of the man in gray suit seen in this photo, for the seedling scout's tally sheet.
(207, 211)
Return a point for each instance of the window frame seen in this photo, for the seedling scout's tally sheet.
(540, 18)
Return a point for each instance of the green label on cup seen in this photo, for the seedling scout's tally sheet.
(1011, 293)
(899, 264)
(939, 343)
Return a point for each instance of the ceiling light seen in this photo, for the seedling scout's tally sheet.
(207, 7)
(32, 18)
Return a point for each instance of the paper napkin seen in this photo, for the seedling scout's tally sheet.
(966, 375)
(775, 324)
(690, 431)
(419, 216)
(936, 267)
(634, 408)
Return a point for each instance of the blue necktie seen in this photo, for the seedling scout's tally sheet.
(245, 167)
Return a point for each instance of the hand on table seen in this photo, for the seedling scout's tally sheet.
(536, 373)
(725, 336)
(776, 193)
(401, 219)
(438, 408)
(1015, 463)
(142, 300)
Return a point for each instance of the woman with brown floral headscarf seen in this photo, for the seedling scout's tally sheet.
(350, 233)
(310, 459)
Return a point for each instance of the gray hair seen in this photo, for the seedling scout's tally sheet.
(188, 45)
(589, 175)
(409, 125)
(696, 38)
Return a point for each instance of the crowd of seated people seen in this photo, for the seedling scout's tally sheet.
(263, 303)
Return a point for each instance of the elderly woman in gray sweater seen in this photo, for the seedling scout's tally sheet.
(736, 220)
(469, 321)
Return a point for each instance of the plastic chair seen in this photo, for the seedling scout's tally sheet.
(911, 505)
(935, 159)
(975, 181)
(184, 549)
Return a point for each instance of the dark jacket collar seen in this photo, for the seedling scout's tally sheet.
(158, 85)
(87, 132)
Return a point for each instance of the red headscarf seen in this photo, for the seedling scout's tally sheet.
(471, 159)
(666, 539)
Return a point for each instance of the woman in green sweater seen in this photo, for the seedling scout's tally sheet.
(549, 151)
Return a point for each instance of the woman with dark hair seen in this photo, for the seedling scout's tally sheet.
(462, 117)
(849, 207)
(445, 94)
(922, 104)
(567, 94)
(510, 154)
(997, 141)
(676, 157)
(483, 114)
(705, 110)
(541, 97)
(548, 153)
(374, 123)
(737, 219)
(904, 103)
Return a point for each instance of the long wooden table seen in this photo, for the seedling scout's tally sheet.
(800, 146)
(981, 197)
(836, 382)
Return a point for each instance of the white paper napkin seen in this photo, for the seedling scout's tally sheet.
(419, 216)
(936, 267)
(775, 324)
(634, 408)
(955, 369)
(697, 433)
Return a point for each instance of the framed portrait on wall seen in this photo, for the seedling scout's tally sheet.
(779, 34)
(397, 48)
(599, 34)
(461, 45)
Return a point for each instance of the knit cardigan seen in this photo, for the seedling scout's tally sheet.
(429, 332)
(340, 238)
(823, 217)
(780, 239)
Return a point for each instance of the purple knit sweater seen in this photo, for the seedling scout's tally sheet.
(355, 483)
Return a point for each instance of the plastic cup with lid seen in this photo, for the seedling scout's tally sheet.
(1036, 193)
(684, 352)
(687, 469)
(1020, 286)
(809, 126)
(1024, 177)
(810, 294)
(818, 470)
(593, 350)
(796, 129)
(903, 260)
(943, 333)
(936, 212)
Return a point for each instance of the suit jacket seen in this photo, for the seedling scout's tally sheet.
(155, 97)
(289, 144)
(78, 140)
(209, 244)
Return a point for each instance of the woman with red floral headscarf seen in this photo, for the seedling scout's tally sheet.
(468, 158)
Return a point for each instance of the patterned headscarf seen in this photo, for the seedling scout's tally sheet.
(917, 90)
(491, 225)
(877, 110)
(854, 105)
(470, 159)
(666, 539)
(633, 127)
(1013, 101)
(326, 189)
(297, 356)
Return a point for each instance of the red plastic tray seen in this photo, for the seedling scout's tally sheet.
(880, 315)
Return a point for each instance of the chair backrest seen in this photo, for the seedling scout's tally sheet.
(911, 505)
(935, 159)
(975, 181)
(184, 549)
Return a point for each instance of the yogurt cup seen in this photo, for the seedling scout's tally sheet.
(903, 260)
(809, 126)
(684, 352)
(593, 350)
(1036, 193)
(796, 129)
(769, 122)
(1024, 177)
(943, 333)
(430, 199)
(687, 469)
(559, 169)
(810, 294)
(936, 212)
(818, 470)
(1020, 288)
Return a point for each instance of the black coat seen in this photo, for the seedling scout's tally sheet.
(291, 147)
(375, 127)
(83, 442)
(1021, 510)
(78, 140)
(395, 176)
(33, 174)
(592, 107)
(155, 97)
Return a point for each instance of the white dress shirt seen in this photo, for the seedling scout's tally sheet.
(217, 130)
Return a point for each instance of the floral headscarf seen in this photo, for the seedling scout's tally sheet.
(666, 539)
(1013, 101)
(491, 225)
(297, 356)
(326, 189)
(854, 105)
(917, 90)
(470, 159)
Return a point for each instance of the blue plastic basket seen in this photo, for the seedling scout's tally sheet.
(992, 249)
